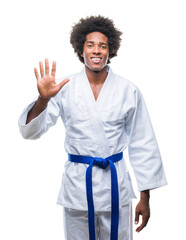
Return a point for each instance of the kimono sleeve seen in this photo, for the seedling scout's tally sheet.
(144, 154)
(39, 125)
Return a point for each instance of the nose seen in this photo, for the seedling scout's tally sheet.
(96, 49)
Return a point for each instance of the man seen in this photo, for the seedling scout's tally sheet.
(103, 114)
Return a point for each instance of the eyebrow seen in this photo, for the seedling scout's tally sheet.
(103, 43)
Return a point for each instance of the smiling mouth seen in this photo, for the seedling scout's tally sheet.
(96, 59)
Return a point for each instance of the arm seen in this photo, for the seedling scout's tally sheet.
(143, 209)
(47, 88)
(144, 156)
(38, 107)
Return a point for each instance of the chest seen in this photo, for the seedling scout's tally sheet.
(86, 105)
(96, 89)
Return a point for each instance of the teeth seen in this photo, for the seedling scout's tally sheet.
(96, 60)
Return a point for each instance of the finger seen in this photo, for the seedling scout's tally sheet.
(36, 73)
(53, 72)
(41, 69)
(140, 228)
(46, 66)
(143, 224)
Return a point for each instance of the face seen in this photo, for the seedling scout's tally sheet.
(96, 51)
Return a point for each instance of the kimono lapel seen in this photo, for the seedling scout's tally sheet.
(90, 89)
(93, 111)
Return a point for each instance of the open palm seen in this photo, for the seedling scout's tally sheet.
(46, 83)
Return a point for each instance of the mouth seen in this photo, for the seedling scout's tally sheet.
(96, 59)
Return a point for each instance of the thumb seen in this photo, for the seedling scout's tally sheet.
(137, 217)
(62, 83)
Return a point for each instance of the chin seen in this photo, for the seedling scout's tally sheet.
(96, 68)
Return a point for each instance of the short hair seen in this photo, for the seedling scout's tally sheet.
(95, 24)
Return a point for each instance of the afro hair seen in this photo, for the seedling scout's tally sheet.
(95, 24)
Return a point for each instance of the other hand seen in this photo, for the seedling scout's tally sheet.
(142, 209)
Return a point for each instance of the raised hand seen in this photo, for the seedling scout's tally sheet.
(47, 88)
(46, 83)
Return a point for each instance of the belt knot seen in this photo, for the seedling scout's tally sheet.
(101, 162)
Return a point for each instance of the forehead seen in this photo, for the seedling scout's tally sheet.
(96, 37)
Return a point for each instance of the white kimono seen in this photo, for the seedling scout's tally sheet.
(117, 120)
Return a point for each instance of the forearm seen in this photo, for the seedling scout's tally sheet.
(38, 107)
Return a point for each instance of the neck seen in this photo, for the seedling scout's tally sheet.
(96, 77)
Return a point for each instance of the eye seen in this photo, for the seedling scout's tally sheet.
(90, 45)
(103, 47)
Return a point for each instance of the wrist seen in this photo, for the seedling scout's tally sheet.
(145, 195)
(43, 101)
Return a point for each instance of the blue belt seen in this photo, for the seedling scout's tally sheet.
(103, 163)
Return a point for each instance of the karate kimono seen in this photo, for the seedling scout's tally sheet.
(116, 120)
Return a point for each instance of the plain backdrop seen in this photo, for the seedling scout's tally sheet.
(152, 56)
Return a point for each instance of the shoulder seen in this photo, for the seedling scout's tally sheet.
(124, 84)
